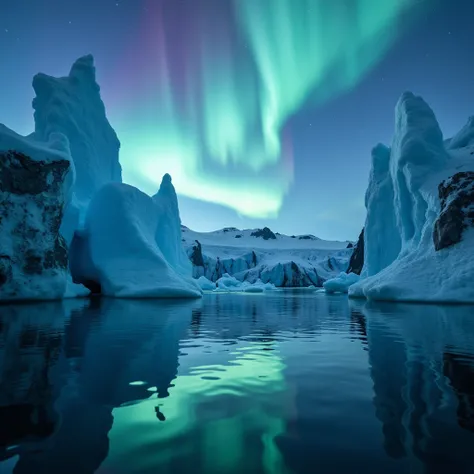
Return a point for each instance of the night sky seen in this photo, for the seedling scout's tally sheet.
(263, 111)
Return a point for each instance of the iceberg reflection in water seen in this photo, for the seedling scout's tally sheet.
(286, 382)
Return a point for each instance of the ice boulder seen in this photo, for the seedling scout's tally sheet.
(35, 179)
(73, 106)
(341, 283)
(205, 284)
(118, 250)
(433, 206)
(229, 283)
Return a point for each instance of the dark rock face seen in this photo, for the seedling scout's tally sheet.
(264, 233)
(196, 255)
(27, 176)
(457, 209)
(307, 237)
(31, 210)
(357, 259)
(350, 245)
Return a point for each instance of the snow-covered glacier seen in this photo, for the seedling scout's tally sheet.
(419, 230)
(130, 247)
(260, 255)
(35, 182)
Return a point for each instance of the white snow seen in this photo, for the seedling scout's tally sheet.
(464, 137)
(227, 237)
(341, 283)
(56, 147)
(401, 261)
(122, 250)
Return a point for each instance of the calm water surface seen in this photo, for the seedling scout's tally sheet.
(288, 382)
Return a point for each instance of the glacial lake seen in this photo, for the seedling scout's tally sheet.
(283, 382)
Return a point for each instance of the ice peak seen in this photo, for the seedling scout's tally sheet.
(380, 159)
(166, 179)
(83, 69)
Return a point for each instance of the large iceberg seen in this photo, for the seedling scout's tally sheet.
(118, 250)
(419, 235)
(72, 106)
(35, 179)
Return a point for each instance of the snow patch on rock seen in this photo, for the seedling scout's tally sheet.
(35, 179)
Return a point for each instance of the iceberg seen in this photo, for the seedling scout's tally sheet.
(341, 283)
(229, 283)
(35, 179)
(72, 106)
(205, 284)
(419, 229)
(118, 250)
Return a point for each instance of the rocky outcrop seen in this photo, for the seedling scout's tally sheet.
(265, 234)
(33, 184)
(307, 237)
(196, 255)
(356, 262)
(457, 209)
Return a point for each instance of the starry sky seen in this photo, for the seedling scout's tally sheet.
(263, 111)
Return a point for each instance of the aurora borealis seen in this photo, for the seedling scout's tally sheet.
(263, 111)
(213, 111)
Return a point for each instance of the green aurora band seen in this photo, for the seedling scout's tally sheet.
(219, 126)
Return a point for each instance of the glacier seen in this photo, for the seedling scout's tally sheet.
(253, 255)
(419, 229)
(35, 179)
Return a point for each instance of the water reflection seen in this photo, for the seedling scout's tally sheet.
(289, 382)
